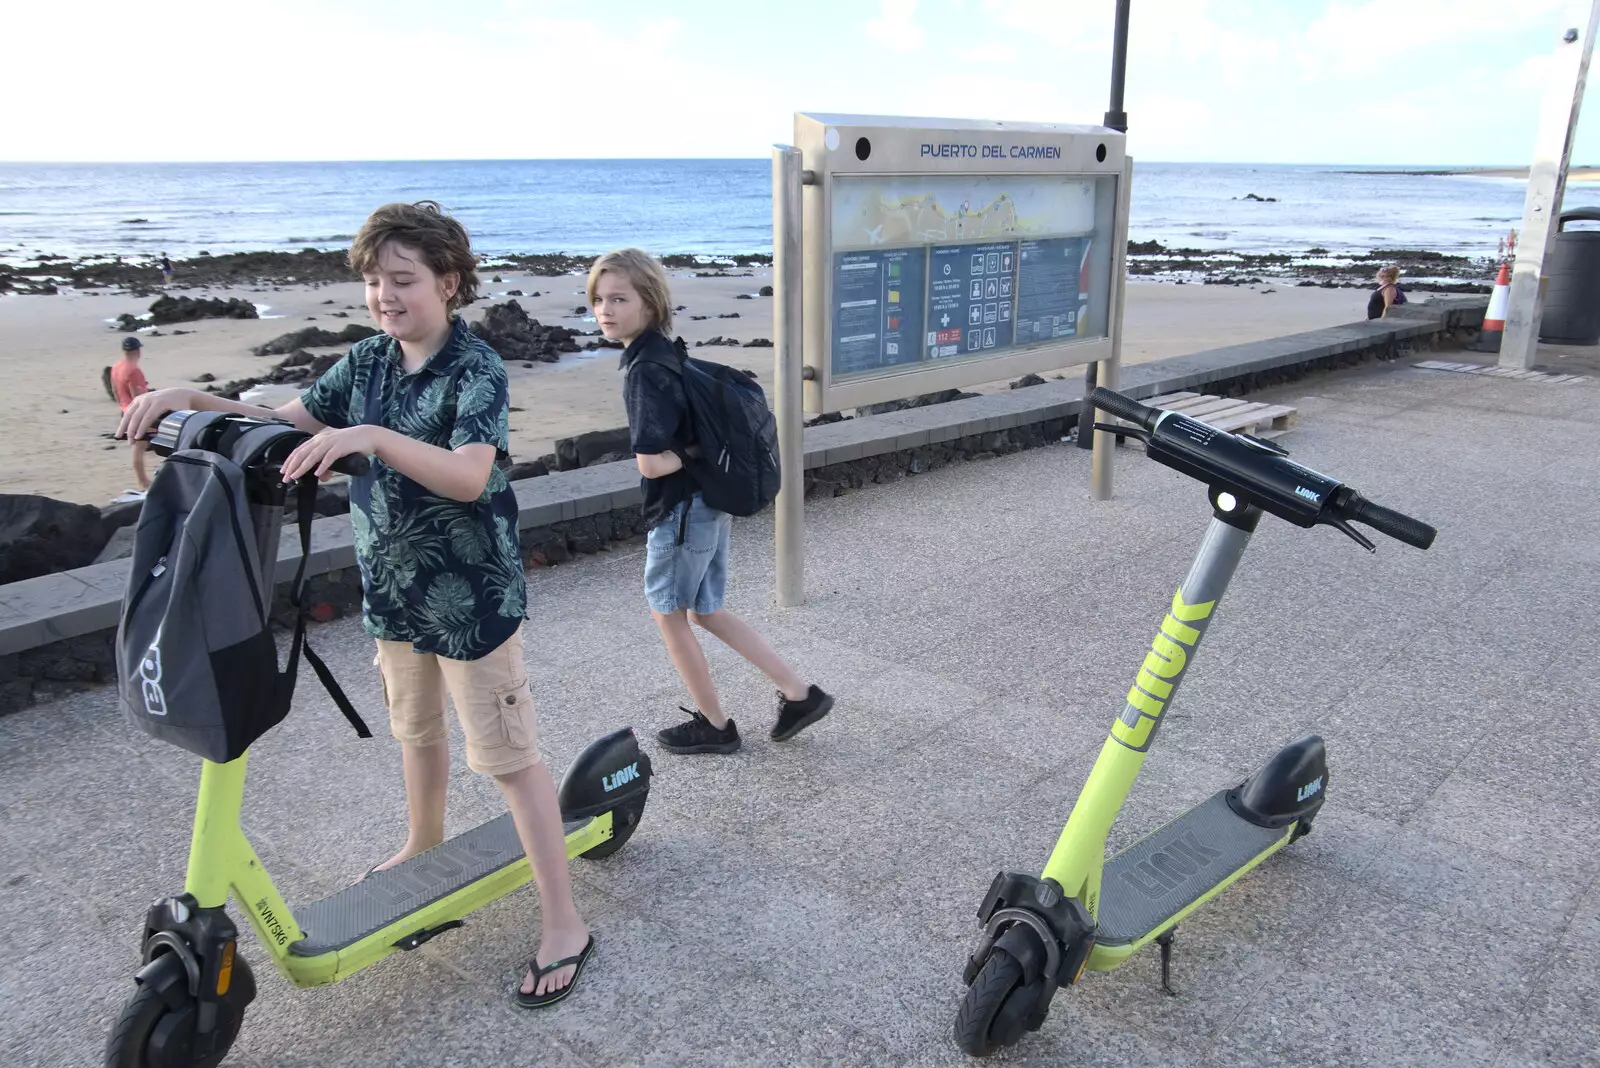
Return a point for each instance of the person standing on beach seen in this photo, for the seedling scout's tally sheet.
(166, 268)
(128, 384)
(686, 559)
(1387, 294)
(435, 521)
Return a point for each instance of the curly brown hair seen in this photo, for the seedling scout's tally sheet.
(424, 226)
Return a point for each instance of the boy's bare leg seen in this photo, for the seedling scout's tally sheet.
(690, 660)
(742, 638)
(531, 796)
(427, 771)
(139, 448)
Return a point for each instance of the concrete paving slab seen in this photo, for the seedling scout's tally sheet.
(1427, 989)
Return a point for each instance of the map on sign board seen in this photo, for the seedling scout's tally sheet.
(925, 209)
(935, 267)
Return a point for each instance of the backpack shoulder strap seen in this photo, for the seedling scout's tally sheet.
(660, 356)
(307, 492)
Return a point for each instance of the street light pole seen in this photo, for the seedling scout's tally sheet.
(1547, 180)
(1116, 119)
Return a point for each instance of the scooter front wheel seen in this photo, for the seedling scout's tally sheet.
(151, 1033)
(983, 1024)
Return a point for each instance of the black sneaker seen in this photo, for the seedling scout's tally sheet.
(796, 716)
(699, 736)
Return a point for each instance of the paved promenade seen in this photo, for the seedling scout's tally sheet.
(813, 903)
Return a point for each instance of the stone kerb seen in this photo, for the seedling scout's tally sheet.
(56, 631)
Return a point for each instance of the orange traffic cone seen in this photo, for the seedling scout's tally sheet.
(1494, 320)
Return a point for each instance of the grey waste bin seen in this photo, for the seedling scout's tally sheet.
(1572, 294)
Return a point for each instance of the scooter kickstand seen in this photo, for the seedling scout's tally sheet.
(1164, 940)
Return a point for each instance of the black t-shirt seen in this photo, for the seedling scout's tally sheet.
(658, 420)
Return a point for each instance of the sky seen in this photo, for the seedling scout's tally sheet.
(1423, 82)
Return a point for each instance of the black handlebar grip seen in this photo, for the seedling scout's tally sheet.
(354, 464)
(1397, 525)
(1124, 407)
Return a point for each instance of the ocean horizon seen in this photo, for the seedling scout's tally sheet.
(708, 207)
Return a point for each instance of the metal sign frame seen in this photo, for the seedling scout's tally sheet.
(874, 146)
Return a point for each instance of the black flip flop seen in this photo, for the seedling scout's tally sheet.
(539, 1001)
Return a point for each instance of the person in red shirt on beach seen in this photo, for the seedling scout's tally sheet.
(127, 382)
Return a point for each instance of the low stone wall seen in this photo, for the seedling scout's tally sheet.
(841, 457)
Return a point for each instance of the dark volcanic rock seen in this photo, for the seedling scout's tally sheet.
(40, 536)
(526, 469)
(758, 343)
(1027, 380)
(942, 397)
(508, 330)
(313, 336)
(766, 291)
(587, 449)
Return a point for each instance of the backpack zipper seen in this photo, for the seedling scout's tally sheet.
(144, 587)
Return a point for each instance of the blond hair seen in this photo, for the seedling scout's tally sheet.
(647, 278)
(1389, 274)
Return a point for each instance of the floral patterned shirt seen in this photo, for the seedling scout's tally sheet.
(444, 575)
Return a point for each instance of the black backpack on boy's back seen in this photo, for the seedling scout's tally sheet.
(736, 467)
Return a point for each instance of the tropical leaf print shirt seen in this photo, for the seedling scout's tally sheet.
(444, 575)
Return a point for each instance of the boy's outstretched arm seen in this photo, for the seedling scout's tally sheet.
(459, 474)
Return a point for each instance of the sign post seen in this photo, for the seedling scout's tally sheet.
(786, 318)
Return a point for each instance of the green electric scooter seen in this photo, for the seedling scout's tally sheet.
(1090, 913)
(193, 986)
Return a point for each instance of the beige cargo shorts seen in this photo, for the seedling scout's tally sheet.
(491, 696)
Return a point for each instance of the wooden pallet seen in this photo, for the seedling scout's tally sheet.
(1233, 414)
(1495, 371)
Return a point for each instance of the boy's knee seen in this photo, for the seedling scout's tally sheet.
(704, 620)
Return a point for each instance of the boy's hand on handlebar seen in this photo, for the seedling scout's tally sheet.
(318, 453)
(148, 409)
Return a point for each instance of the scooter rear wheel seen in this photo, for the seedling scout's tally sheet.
(976, 1031)
(624, 821)
(147, 1017)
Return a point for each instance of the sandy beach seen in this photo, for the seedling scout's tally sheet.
(57, 345)
(1574, 174)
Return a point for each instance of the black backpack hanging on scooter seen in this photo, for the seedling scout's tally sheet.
(197, 662)
(735, 464)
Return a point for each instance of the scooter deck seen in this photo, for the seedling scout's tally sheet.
(1174, 866)
(385, 897)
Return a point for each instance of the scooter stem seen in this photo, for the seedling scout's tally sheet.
(1076, 862)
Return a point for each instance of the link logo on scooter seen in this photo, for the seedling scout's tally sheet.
(1162, 670)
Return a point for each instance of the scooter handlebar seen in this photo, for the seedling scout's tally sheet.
(356, 464)
(1259, 472)
(1396, 525)
(1125, 407)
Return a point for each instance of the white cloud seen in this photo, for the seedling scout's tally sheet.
(896, 27)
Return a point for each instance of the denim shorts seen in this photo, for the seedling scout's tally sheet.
(691, 573)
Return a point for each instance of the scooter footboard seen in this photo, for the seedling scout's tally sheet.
(1178, 866)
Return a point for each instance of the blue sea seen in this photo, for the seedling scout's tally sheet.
(694, 206)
